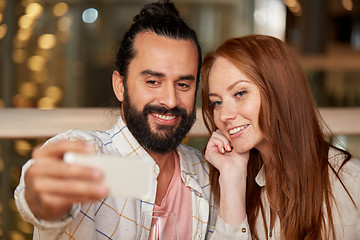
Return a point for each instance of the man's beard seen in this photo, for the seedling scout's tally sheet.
(167, 137)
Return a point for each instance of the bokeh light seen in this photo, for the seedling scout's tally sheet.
(2, 5)
(15, 235)
(25, 227)
(54, 92)
(3, 30)
(347, 4)
(20, 101)
(60, 9)
(18, 55)
(23, 34)
(64, 24)
(28, 89)
(23, 148)
(47, 41)
(34, 10)
(46, 103)
(36, 63)
(90, 15)
(1, 169)
(25, 21)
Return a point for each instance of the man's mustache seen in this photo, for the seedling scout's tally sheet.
(176, 111)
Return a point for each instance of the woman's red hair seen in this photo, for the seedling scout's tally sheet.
(297, 177)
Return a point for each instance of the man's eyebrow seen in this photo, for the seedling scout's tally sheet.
(160, 74)
(152, 73)
(188, 77)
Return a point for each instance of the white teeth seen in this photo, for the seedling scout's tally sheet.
(164, 117)
(238, 129)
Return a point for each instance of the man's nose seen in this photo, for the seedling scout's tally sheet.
(169, 97)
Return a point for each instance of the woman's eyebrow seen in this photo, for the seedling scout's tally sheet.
(236, 83)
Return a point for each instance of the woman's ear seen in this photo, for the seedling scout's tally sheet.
(118, 85)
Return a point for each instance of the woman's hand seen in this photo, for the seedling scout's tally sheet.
(233, 173)
(220, 154)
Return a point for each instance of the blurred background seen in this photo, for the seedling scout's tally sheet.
(59, 54)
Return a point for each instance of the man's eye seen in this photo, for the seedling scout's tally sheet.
(152, 82)
(183, 85)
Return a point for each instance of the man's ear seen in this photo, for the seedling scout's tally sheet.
(118, 85)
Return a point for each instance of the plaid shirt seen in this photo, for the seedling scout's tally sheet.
(118, 218)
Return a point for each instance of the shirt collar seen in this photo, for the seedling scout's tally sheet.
(260, 177)
(127, 145)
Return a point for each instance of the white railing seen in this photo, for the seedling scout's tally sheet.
(36, 123)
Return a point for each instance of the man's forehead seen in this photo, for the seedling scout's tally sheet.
(148, 38)
(164, 54)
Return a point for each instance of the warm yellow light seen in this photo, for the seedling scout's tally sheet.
(20, 101)
(296, 10)
(18, 55)
(18, 43)
(15, 235)
(3, 30)
(34, 9)
(290, 3)
(22, 147)
(53, 92)
(60, 9)
(2, 5)
(23, 34)
(36, 63)
(2, 104)
(46, 103)
(47, 41)
(347, 4)
(64, 24)
(25, 227)
(25, 21)
(28, 89)
(1, 17)
(1, 169)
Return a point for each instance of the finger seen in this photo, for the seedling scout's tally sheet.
(59, 148)
(221, 136)
(218, 144)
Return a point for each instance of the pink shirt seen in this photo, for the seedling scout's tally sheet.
(178, 201)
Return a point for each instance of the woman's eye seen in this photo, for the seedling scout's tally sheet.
(214, 104)
(240, 93)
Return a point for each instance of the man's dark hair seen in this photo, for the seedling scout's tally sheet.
(161, 18)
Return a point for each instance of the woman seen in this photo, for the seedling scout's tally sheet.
(274, 175)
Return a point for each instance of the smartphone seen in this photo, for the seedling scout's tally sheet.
(125, 176)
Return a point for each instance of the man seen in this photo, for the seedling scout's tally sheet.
(156, 79)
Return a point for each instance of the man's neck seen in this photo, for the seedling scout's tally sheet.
(164, 161)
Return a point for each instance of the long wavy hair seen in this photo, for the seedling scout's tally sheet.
(297, 177)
